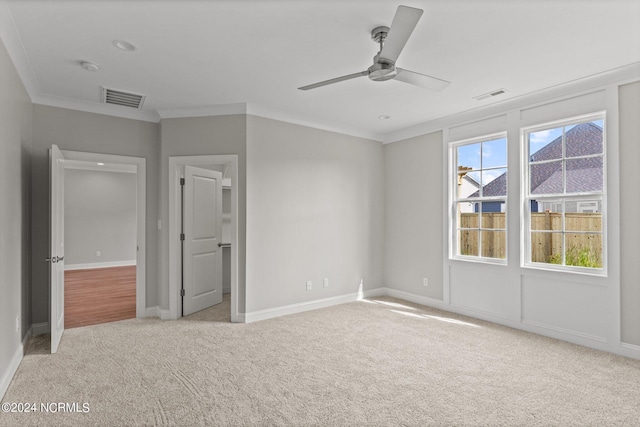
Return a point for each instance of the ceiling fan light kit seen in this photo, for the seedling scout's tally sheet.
(392, 41)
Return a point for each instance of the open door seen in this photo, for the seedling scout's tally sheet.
(202, 237)
(56, 259)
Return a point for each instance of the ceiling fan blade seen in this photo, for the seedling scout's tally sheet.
(336, 80)
(401, 28)
(421, 80)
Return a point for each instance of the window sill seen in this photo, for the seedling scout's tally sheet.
(595, 272)
(480, 260)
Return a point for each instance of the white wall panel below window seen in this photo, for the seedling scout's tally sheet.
(482, 288)
(571, 307)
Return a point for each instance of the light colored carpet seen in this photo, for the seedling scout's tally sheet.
(378, 362)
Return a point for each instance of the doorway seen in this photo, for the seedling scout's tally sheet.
(228, 163)
(100, 243)
(133, 268)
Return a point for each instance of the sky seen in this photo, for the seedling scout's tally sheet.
(494, 155)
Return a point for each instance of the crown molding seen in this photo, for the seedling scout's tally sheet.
(97, 108)
(618, 76)
(13, 44)
(204, 111)
(268, 113)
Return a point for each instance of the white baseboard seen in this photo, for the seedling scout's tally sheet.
(284, 310)
(11, 369)
(40, 329)
(372, 293)
(152, 311)
(630, 350)
(418, 299)
(107, 264)
(156, 311)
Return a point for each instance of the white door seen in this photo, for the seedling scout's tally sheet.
(202, 228)
(56, 254)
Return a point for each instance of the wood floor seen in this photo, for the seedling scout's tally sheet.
(99, 295)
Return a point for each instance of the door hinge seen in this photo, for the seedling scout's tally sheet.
(181, 181)
(182, 292)
(181, 236)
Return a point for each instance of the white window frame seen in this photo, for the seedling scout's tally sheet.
(590, 197)
(454, 200)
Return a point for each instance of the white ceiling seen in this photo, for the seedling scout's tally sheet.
(203, 57)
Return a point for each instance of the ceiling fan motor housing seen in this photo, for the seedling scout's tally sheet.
(382, 70)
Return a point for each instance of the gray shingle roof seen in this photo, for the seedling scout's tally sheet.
(582, 174)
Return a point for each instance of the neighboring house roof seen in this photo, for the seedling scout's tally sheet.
(582, 174)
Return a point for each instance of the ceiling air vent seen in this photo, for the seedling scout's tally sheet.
(125, 99)
(490, 94)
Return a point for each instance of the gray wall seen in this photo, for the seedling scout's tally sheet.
(95, 133)
(15, 173)
(100, 215)
(198, 136)
(413, 215)
(629, 104)
(315, 203)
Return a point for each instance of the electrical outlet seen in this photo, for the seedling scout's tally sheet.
(325, 282)
(425, 281)
(309, 285)
(18, 323)
(97, 253)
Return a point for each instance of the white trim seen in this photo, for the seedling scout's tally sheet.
(13, 43)
(156, 311)
(175, 165)
(292, 118)
(39, 329)
(152, 311)
(105, 167)
(630, 350)
(14, 364)
(92, 265)
(205, 111)
(8, 373)
(77, 157)
(613, 201)
(565, 331)
(285, 310)
(96, 108)
(418, 299)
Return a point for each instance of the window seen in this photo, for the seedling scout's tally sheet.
(565, 194)
(479, 189)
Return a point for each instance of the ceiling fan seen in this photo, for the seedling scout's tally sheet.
(392, 41)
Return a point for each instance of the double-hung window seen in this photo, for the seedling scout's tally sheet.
(479, 194)
(565, 194)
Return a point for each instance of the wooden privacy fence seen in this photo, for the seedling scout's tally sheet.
(493, 242)
(546, 236)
